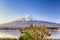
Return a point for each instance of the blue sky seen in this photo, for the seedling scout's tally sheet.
(47, 10)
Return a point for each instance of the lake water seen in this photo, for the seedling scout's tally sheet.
(55, 33)
(9, 34)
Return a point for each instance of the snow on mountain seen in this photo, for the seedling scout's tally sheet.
(26, 20)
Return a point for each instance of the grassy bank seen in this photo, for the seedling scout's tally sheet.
(8, 39)
(18, 39)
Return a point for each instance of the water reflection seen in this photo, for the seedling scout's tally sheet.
(55, 33)
(9, 33)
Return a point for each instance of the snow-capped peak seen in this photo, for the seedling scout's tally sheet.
(28, 17)
(25, 18)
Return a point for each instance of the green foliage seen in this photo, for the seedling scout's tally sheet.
(8, 39)
(33, 32)
(25, 37)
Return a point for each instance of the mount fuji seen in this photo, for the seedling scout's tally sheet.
(26, 20)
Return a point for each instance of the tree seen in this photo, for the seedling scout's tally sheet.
(34, 32)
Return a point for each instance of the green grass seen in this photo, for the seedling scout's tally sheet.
(8, 39)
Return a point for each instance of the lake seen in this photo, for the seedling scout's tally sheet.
(55, 33)
(9, 33)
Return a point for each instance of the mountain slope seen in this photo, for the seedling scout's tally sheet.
(26, 20)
